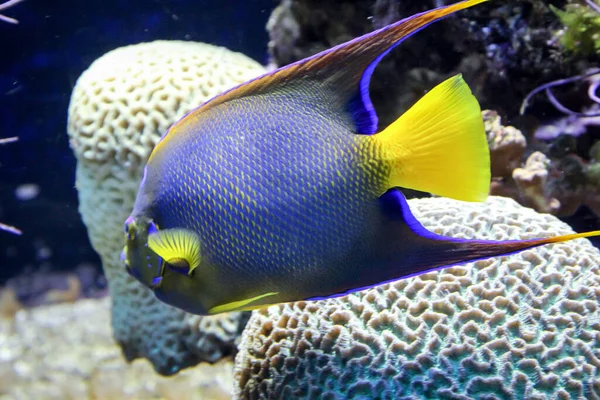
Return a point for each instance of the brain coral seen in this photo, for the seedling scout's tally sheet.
(525, 326)
(119, 109)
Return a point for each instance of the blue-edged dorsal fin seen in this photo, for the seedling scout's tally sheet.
(346, 69)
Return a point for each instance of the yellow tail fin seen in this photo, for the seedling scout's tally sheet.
(439, 145)
(478, 249)
(564, 238)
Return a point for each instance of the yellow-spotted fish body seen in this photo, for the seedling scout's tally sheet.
(281, 190)
(269, 194)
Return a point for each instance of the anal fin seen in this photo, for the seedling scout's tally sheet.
(244, 304)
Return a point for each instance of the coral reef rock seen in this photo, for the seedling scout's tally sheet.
(503, 49)
(531, 181)
(507, 144)
(525, 326)
(66, 352)
(559, 183)
(47, 287)
(553, 179)
(119, 109)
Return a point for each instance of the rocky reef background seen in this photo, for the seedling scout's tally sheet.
(503, 50)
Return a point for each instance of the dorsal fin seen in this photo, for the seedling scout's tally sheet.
(346, 68)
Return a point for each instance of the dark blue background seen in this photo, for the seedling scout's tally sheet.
(40, 60)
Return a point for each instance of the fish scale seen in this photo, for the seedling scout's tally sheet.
(307, 186)
(282, 189)
(293, 228)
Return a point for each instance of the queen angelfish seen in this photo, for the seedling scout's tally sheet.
(282, 189)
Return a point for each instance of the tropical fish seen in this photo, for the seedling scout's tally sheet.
(281, 189)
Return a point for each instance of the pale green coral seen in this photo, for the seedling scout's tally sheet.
(581, 35)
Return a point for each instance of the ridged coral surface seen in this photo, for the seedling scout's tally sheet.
(525, 326)
(119, 109)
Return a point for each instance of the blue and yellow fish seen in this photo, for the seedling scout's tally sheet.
(282, 189)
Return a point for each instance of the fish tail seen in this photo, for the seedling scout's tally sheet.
(476, 249)
(443, 252)
(439, 145)
(412, 24)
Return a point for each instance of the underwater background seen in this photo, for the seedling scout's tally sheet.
(547, 159)
(42, 57)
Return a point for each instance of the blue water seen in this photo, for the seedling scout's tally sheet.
(40, 60)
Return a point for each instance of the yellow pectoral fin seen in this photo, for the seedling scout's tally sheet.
(440, 145)
(241, 304)
(178, 247)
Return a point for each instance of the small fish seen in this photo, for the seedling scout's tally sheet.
(282, 189)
